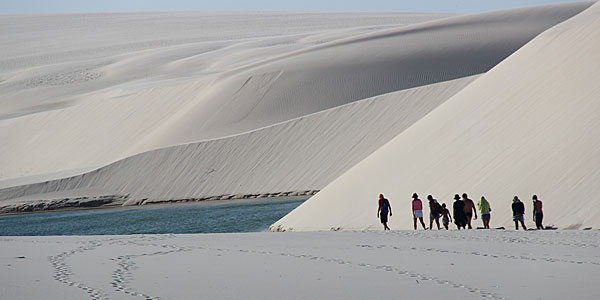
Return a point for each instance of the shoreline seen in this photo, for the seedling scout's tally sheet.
(116, 201)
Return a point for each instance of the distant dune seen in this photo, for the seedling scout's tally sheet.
(528, 126)
(268, 115)
(80, 91)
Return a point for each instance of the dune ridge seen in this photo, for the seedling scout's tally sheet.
(528, 126)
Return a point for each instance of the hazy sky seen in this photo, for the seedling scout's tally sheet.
(59, 6)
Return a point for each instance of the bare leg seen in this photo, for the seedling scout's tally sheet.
(517, 225)
(437, 222)
(423, 223)
(415, 223)
(469, 222)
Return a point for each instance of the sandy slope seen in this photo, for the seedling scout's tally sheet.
(316, 265)
(360, 67)
(301, 154)
(87, 82)
(528, 126)
(188, 89)
(55, 58)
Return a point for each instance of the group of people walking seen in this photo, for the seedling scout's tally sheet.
(464, 212)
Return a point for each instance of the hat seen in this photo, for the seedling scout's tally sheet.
(457, 197)
(415, 196)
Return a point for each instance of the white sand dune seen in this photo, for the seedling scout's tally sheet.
(87, 82)
(316, 265)
(42, 52)
(298, 155)
(185, 91)
(305, 153)
(528, 126)
(355, 68)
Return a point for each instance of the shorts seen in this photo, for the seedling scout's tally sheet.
(434, 215)
(538, 219)
(445, 221)
(486, 216)
(384, 217)
(418, 213)
(518, 218)
(469, 215)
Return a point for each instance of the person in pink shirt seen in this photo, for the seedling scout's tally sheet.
(417, 210)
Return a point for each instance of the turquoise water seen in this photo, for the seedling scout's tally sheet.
(207, 217)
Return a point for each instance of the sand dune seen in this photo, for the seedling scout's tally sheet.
(298, 155)
(156, 93)
(81, 83)
(311, 95)
(528, 126)
(335, 265)
(347, 102)
(41, 49)
(332, 74)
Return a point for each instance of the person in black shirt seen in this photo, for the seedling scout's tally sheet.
(435, 211)
(460, 218)
(518, 212)
(383, 210)
(538, 213)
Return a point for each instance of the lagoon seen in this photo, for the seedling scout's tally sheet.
(204, 217)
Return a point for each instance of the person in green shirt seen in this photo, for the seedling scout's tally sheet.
(484, 209)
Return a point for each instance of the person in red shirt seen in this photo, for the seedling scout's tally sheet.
(417, 210)
(382, 211)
